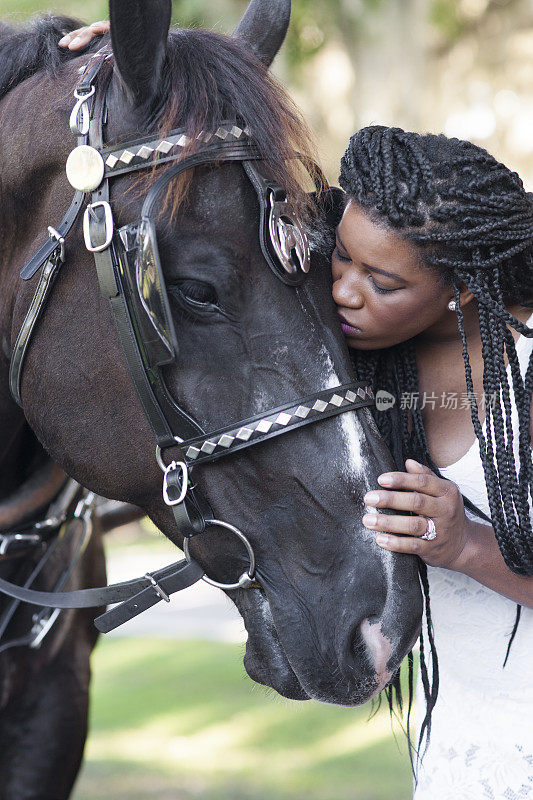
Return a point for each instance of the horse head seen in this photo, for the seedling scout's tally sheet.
(332, 615)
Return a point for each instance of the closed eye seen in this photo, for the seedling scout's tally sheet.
(195, 295)
(382, 289)
(341, 256)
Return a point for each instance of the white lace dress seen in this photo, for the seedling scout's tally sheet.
(481, 745)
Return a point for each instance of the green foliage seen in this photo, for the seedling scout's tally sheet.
(313, 24)
(446, 17)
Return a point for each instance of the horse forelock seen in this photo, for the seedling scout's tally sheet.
(226, 82)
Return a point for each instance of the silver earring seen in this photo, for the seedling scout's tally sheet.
(452, 305)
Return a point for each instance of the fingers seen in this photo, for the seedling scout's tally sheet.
(410, 526)
(80, 38)
(417, 503)
(418, 478)
(407, 544)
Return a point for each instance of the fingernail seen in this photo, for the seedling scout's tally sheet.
(382, 540)
(64, 40)
(385, 480)
(76, 40)
(371, 498)
(370, 520)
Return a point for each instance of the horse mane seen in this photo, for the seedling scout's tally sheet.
(208, 78)
(32, 48)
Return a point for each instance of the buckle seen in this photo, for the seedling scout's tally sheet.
(7, 539)
(180, 482)
(91, 218)
(85, 505)
(81, 128)
(61, 242)
(158, 590)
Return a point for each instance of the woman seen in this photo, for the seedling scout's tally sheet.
(433, 274)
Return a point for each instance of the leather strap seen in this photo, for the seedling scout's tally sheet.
(48, 275)
(228, 151)
(150, 151)
(52, 246)
(134, 596)
(48, 248)
(283, 419)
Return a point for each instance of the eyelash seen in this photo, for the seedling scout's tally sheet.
(378, 289)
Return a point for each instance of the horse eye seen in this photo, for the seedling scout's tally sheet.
(197, 294)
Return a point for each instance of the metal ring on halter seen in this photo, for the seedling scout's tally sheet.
(431, 532)
(247, 578)
(159, 457)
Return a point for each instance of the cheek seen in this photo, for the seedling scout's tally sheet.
(405, 317)
(408, 312)
(422, 304)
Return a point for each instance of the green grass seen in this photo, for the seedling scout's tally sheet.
(182, 720)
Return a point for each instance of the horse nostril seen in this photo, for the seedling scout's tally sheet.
(379, 648)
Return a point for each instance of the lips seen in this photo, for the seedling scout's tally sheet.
(348, 329)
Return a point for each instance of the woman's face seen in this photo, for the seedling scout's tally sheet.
(384, 295)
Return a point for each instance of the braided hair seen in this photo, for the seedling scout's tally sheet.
(473, 222)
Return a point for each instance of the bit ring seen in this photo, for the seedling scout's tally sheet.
(247, 578)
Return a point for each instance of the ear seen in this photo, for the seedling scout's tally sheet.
(264, 26)
(139, 31)
(465, 295)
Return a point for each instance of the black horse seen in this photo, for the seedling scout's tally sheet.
(44, 656)
(334, 614)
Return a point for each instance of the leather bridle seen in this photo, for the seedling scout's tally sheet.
(130, 277)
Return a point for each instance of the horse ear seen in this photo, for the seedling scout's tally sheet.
(139, 31)
(264, 26)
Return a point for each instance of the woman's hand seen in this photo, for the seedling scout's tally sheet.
(80, 38)
(419, 490)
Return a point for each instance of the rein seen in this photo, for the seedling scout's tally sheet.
(131, 278)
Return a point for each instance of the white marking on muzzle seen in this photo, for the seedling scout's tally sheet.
(379, 648)
(353, 466)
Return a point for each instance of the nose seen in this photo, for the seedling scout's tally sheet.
(366, 654)
(379, 650)
(347, 293)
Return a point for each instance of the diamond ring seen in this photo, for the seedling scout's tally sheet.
(431, 532)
